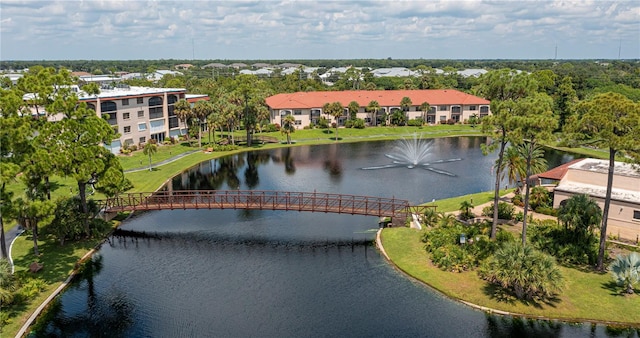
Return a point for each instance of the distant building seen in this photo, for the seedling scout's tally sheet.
(589, 176)
(445, 105)
(183, 66)
(140, 114)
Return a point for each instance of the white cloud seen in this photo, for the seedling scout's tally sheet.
(316, 29)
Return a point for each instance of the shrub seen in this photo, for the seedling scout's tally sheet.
(323, 123)
(517, 200)
(451, 121)
(567, 246)
(626, 271)
(417, 122)
(270, 128)
(547, 210)
(525, 272)
(358, 123)
(519, 217)
(505, 210)
(133, 147)
(443, 243)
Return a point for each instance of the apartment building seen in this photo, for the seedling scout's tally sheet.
(140, 113)
(444, 105)
(589, 176)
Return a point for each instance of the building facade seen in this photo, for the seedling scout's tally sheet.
(140, 114)
(445, 106)
(589, 176)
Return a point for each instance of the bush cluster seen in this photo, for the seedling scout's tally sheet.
(443, 243)
(505, 211)
(567, 246)
(417, 122)
(355, 123)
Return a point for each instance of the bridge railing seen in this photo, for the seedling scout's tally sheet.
(254, 199)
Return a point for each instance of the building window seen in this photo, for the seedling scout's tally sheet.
(143, 139)
(636, 215)
(125, 102)
(443, 108)
(107, 106)
(484, 109)
(126, 116)
(473, 107)
(127, 129)
(298, 122)
(443, 118)
(142, 126)
(140, 113)
(455, 110)
(297, 112)
(139, 100)
(128, 141)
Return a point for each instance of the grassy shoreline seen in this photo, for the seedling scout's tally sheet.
(146, 181)
(588, 296)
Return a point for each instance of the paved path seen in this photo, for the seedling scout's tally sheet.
(169, 160)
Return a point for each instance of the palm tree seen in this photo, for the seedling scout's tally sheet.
(373, 107)
(353, 110)
(465, 210)
(539, 197)
(149, 150)
(201, 110)
(182, 109)
(425, 107)
(533, 153)
(288, 126)
(336, 110)
(626, 270)
(513, 165)
(581, 214)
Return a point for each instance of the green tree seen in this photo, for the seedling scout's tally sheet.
(425, 107)
(373, 107)
(31, 214)
(8, 283)
(466, 210)
(150, 149)
(534, 122)
(580, 214)
(201, 110)
(566, 98)
(336, 110)
(288, 126)
(353, 110)
(626, 271)
(528, 273)
(182, 109)
(405, 103)
(504, 88)
(513, 166)
(607, 121)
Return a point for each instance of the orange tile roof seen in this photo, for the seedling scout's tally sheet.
(386, 98)
(558, 172)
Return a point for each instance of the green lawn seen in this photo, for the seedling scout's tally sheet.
(453, 204)
(587, 295)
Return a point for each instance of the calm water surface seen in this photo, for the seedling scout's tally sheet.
(238, 273)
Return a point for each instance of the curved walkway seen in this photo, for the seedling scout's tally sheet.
(163, 162)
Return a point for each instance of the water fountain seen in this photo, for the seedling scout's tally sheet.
(414, 152)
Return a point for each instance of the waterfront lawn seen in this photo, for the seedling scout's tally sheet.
(58, 262)
(453, 204)
(587, 295)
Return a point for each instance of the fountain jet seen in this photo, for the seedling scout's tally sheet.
(412, 153)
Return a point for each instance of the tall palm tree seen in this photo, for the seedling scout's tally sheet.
(182, 109)
(425, 107)
(149, 149)
(336, 110)
(534, 155)
(201, 110)
(373, 107)
(513, 165)
(288, 126)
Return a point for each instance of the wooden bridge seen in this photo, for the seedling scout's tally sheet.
(396, 209)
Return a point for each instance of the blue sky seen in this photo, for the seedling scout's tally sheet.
(251, 30)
